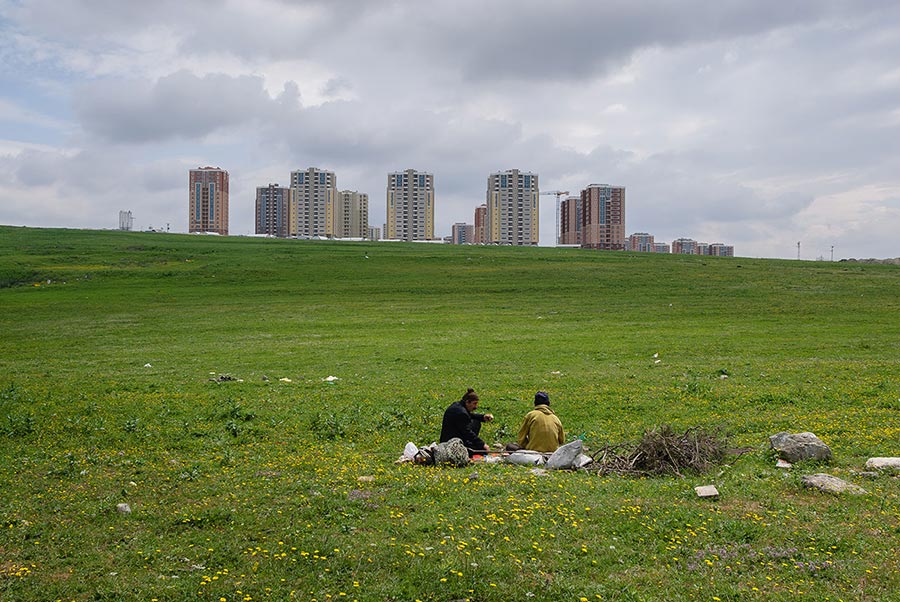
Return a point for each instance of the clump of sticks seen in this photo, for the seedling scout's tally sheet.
(662, 451)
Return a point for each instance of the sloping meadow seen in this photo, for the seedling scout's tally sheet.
(247, 398)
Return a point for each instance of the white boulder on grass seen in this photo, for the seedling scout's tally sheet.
(883, 464)
(565, 456)
(830, 484)
(799, 446)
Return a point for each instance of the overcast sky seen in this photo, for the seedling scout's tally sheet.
(755, 123)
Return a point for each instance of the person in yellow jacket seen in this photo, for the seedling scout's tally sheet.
(542, 431)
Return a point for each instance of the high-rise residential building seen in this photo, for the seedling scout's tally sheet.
(462, 234)
(640, 241)
(684, 246)
(478, 236)
(313, 199)
(570, 218)
(273, 210)
(410, 205)
(721, 250)
(702, 248)
(208, 210)
(603, 217)
(374, 233)
(660, 247)
(512, 208)
(351, 216)
(126, 221)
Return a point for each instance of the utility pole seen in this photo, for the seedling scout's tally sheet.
(832, 252)
(798, 250)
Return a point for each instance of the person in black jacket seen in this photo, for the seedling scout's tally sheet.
(461, 420)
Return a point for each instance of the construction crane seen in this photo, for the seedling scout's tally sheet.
(558, 193)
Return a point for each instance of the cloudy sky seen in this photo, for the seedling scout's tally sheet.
(755, 123)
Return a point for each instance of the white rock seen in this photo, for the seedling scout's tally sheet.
(782, 464)
(883, 463)
(707, 491)
(830, 484)
(330, 379)
(123, 508)
(564, 457)
(147, 366)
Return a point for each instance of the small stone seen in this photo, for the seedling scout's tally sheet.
(539, 472)
(830, 484)
(358, 494)
(782, 464)
(706, 491)
(123, 508)
(883, 464)
(365, 479)
(473, 476)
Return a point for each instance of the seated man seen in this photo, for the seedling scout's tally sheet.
(461, 421)
(542, 431)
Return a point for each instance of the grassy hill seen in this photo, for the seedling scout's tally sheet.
(114, 344)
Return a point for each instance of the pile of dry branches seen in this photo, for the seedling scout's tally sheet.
(662, 451)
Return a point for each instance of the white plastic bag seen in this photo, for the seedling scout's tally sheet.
(410, 450)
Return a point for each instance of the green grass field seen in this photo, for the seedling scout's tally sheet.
(250, 489)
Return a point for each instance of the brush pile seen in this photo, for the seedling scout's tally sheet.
(662, 451)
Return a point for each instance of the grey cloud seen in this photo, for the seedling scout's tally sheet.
(572, 39)
(180, 105)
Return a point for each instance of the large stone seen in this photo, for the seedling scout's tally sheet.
(452, 452)
(883, 464)
(564, 457)
(830, 484)
(799, 447)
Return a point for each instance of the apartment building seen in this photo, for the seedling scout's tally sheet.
(313, 198)
(684, 246)
(126, 221)
(640, 241)
(462, 234)
(352, 215)
(208, 200)
(718, 249)
(570, 221)
(603, 217)
(478, 236)
(512, 216)
(410, 206)
(273, 210)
